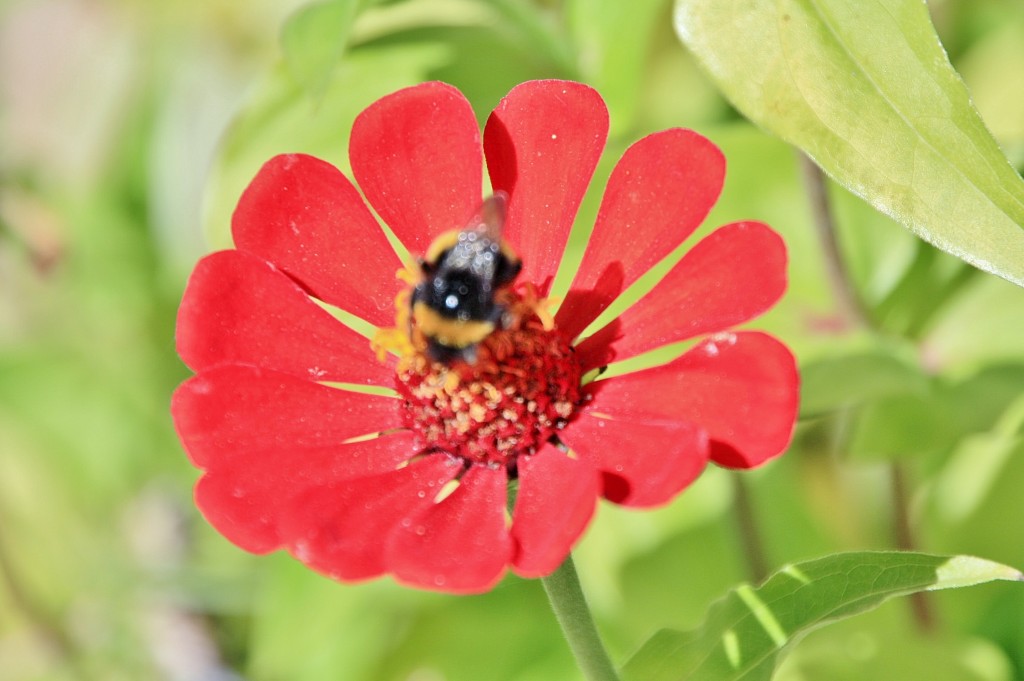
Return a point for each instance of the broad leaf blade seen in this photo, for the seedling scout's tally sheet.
(867, 91)
(746, 631)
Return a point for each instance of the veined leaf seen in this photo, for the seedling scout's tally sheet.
(745, 632)
(867, 91)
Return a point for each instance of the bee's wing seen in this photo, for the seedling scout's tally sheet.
(490, 219)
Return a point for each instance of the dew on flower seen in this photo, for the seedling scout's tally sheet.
(301, 550)
(202, 387)
(724, 337)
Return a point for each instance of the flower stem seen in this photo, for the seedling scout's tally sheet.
(856, 311)
(573, 614)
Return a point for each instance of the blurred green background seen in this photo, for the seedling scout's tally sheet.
(128, 129)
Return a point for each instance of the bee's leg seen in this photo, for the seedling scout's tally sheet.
(506, 271)
(419, 293)
(500, 316)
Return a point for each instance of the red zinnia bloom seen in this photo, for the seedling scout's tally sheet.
(357, 485)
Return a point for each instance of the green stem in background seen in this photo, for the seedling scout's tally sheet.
(573, 614)
(851, 305)
(923, 292)
(753, 547)
(855, 310)
(920, 606)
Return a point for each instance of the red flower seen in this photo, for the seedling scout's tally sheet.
(357, 485)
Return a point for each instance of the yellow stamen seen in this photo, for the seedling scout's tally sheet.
(542, 307)
(451, 383)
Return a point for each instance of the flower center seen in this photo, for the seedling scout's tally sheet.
(523, 386)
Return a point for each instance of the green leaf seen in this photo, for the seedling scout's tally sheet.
(960, 418)
(836, 382)
(978, 463)
(314, 40)
(880, 645)
(867, 91)
(902, 426)
(994, 69)
(745, 632)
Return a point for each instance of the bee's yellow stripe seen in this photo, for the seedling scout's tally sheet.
(507, 251)
(442, 243)
(450, 332)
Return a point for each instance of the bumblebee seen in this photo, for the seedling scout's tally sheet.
(454, 305)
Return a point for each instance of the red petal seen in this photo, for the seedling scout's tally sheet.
(238, 309)
(303, 215)
(542, 144)
(243, 496)
(341, 530)
(660, 191)
(731, 276)
(416, 155)
(557, 496)
(231, 409)
(742, 388)
(459, 545)
(644, 462)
